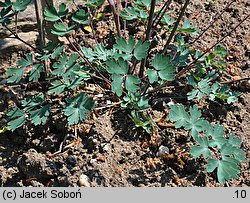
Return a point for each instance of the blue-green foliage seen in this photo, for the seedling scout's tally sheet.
(33, 108)
(163, 69)
(10, 8)
(188, 27)
(51, 14)
(16, 74)
(205, 88)
(209, 137)
(205, 78)
(70, 69)
(78, 108)
(93, 3)
(60, 27)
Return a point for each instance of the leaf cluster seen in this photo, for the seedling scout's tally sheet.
(10, 8)
(36, 109)
(25, 65)
(210, 137)
(33, 108)
(211, 89)
(62, 28)
(74, 65)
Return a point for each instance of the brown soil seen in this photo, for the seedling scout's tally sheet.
(110, 151)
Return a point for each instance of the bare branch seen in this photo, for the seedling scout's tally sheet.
(175, 26)
(217, 16)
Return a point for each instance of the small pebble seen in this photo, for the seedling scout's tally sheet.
(84, 181)
(158, 178)
(162, 150)
(106, 147)
(95, 141)
(100, 95)
(92, 161)
(11, 170)
(101, 158)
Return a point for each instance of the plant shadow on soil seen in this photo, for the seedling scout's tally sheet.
(125, 162)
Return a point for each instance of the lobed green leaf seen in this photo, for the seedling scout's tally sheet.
(18, 118)
(178, 115)
(141, 49)
(15, 73)
(21, 5)
(61, 29)
(203, 148)
(226, 169)
(152, 75)
(78, 108)
(39, 116)
(51, 14)
(35, 72)
(195, 123)
(117, 67)
(124, 46)
(81, 17)
(116, 84)
(131, 83)
(57, 87)
(129, 13)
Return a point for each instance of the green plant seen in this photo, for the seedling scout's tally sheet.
(139, 11)
(221, 152)
(133, 71)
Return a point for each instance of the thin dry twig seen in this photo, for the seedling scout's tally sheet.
(108, 106)
(183, 9)
(210, 48)
(20, 39)
(217, 16)
(61, 145)
(148, 34)
(161, 13)
(238, 80)
(116, 17)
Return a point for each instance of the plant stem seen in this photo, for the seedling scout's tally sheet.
(39, 19)
(116, 17)
(119, 6)
(134, 63)
(77, 7)
(47, 24)
(232, 81)
(161, 13)
(196, 60)
(217, 16)
(91, 24)
(148, 34)
(87, 61)
(208, 50)
(150, 19)
(41, 31)
(175, 26)
(82, 55)
(125, 22)
(16, 22)
(20, 39)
